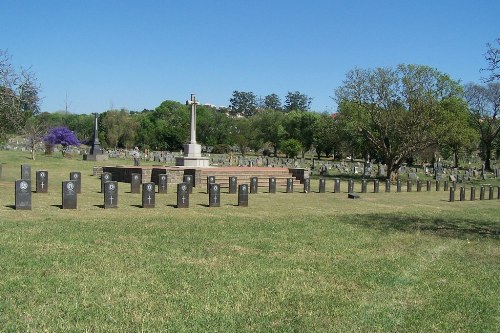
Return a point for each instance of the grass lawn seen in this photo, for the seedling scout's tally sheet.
(388, 262)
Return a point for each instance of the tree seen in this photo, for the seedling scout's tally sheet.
(120, 128)
(291, 147)
(272, 102)
(394, 110)
(242, 104)
(300, 126)
(18, 96)
(297, 101)
(270, 128)
(484, 107)
(325, 135)
(34, 130)
(61, 136)
(492, 57)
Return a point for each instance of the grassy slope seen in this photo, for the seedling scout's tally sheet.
(389, 262)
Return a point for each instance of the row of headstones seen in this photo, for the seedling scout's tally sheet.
(482, 193)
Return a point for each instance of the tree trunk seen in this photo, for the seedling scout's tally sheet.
(487, 157)
(32, 154)
(455, 158)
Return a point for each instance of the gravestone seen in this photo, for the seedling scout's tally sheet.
(375, 186)
(438, 170)
(183, 195)
(233, 185)
(188, 180)
(69, 197)
(289, 185)
(428, 186)
(438, 185)
(498, 192)
(419, 186)
(26, 171)
(388, 185)
(162, 183)
(446, 185)
(462, 193)
(76, 177)
(336, 185)
(42, 181)
(398, 185)
(243, 195)
(254, 185)
(452, 194)
(472, 193)
(214, 195)
(135, 183)
(105, 177)
(408, 185)
(23, 194)
(210, 180)
(350, 186)
(481, 193)
(148, 195)
(363, 185)
(322, 185)
(272, 185)
(307, 185)
(490, 197)
(110, 194)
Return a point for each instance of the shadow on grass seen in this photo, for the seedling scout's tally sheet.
(453, 227)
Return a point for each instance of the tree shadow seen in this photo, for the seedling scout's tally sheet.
(452, 228)
(10, 206)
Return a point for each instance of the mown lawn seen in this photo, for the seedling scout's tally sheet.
(388, 262)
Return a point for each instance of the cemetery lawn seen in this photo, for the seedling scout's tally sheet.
(388, 262)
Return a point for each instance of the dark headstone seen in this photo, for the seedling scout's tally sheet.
(105, 177)
(350, 186)
(135, 183)
(307, 185)
(472, 193)
(481, 193)
(419, 186)
(233, 185)
(452, 194)
(254, 185)
(76, 177)
(188, 180)
(243, 195)
(336, 185)
(162, 183)
(398, 185)
(148, 195)
(490, 196)
(272, 185)
(388, 185)
(363, 185)
(498, 192)
(214, 195)
(26, 171)
(428, 186)
(375, 186)
(438, 185)
(445, 185)
(408, 185)
(353, 196)
(69, 197)
(183, 195)
(462, 193)
(111, 194)
(289, 185)
(23, 194)
(210, 180)
(42, 181)
(322, 185)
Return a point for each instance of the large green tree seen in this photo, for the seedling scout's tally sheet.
(301, 126)
(325, 135)
(270, 128)
(242, 104)
(297, 101)
(120, 128)
(395, 109)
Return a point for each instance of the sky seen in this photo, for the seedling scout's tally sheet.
(96, 55)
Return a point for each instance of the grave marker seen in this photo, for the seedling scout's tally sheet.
(446, 185)
(375, 186)
(363, 185)
(188, 180)
(233, 185)
(289, 185)
(272, 185)
(76, 177)
(438, 185)
(243, 195)
(472, 193)
(105, 177)
(183, 195)
(490, 197)
(69, 197)
(307, 185)
(110, 194)
(452, 194)
(481, 193)
(254, 184)
(398, 185)
(148, 195)
(350, 186)
(42, 181)
(210, 180)
(322, 185)
(462, 193)
(162, 183)
(26, 171)
(336, 185)
(428, 186)
(214, 195)
(23, 194)
(408, 185)
(135, 183)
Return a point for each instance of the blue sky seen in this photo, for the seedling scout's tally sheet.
(136, 54)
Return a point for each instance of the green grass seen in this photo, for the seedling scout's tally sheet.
(389, 262)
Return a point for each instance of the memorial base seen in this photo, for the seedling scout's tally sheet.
(201, 162)
(97, 157)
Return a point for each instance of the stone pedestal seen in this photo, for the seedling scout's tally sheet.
(192, 157)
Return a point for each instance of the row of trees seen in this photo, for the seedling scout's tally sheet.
(391, 114)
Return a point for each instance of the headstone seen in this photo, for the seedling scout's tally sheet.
(289, 185)
(254, 185)
(26, 171)
(438, 185)
(481, 193)
(307, 185)
(375, 186)
(243, 195)
(490, 197)
(408, 185)
(188, 180)
(233, 185)
(23, 194)
(148, 195)
(462, 193)
(351, 195)
(76, 177)
(183, 195)
(398, 185)
(419, 186)
(322, 185)
(69, 197)
(350, 186)
(388, 185)
(214, 195)
(336, 185)
(428, 185)
(105, 177)
(135, 183)
(364, 185)
(110, 194)
(472, 193)
(446, 185)
(272, 185)
(42, 181)
(210, 180)
(438, 170)
(452, 194)
(498, 192)
(162, 183)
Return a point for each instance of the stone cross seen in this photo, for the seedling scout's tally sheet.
(193, 102)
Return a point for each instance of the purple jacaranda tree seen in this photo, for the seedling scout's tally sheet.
(61, 136)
